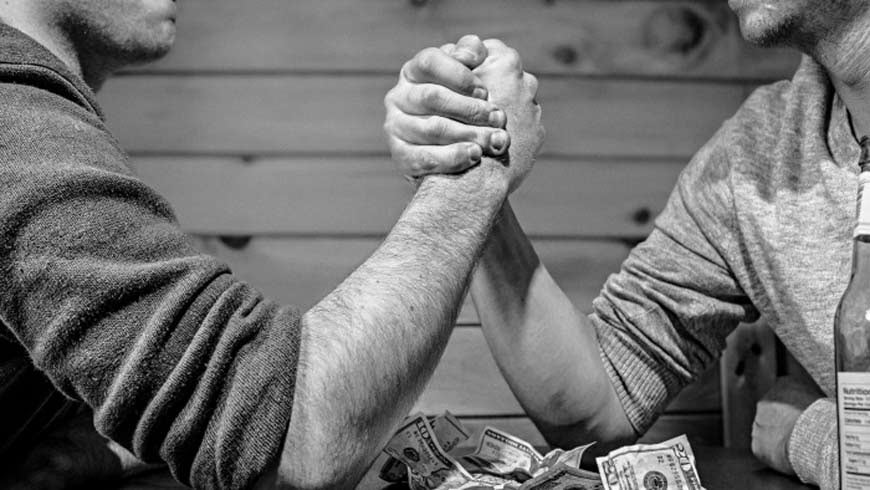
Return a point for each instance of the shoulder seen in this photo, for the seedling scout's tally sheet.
(54, 150)
(40, 127)
(775, 121)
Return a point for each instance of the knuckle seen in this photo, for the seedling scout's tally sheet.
(479, 113)
(389, 127)
(532, 83)
(428, 163)
(430, 96)
(459, 160)
(390, 98)
(398, 151)
(512, 58)
(426, 60)
(422, 163)
(435, 127)
(408, 67)
(413, 167)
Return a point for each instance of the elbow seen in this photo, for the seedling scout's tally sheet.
(566, 424)
(571, 435)
(320, 458)
(324, 473)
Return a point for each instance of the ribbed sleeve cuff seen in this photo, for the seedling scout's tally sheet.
(640, 385)
(812, 447)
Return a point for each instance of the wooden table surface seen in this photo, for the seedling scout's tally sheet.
(719, 469)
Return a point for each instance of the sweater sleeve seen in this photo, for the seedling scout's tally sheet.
(179, 360)
(812, 447)
(663, 319)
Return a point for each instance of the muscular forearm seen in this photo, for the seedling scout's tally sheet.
(546, 349)
(369, 347)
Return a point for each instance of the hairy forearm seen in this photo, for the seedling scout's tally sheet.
(545, 348)
(369, 347)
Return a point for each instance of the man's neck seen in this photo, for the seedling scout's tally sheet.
(847, 61)
(52, 36)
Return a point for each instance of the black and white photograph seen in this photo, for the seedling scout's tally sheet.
(435, 244)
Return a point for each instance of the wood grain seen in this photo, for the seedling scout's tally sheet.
(468, 382)
(636, 38)
(257, 114)
(332, 196)
(301, 271)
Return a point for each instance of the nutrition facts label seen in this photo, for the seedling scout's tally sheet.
(853, 407)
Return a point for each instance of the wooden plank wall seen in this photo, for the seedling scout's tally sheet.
(263, 128)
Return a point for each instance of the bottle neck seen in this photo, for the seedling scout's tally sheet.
(862, 228)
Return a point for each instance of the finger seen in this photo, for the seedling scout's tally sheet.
(436, 130)
(531, 82)
(493, 44)
(469, 60)
(504, 53)
(420, 160)
(433, 65)
(430, 99)
(470, 51)
(448, 48)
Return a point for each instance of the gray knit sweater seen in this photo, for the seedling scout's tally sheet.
(760, 223)
(103, 295)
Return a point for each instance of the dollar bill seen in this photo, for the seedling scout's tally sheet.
(491, 481)
(669, 465)
(571, 458)
(479, 465)
(564, 477)
(499, 453)
(416, 445)
(448, 430)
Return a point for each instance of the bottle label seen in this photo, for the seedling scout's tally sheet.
(853, 411)
(863, 226)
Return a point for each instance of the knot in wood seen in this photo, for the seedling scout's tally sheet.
(675, 30)
(565, 54)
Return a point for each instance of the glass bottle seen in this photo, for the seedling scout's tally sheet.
(852, 347)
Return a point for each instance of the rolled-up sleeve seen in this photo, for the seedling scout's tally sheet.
(812, 447)
(663, 319)
(180, 361)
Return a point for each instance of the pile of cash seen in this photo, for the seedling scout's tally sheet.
(670, 464)
(420, 454)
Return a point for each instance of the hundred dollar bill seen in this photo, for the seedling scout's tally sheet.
(564, 477)
(499, 453)
(448, 430)
(431, 467)
(669, 465)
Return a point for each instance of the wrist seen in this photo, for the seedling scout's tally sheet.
(488, 181)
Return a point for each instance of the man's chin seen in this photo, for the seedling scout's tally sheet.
(765, 34)
(152, 49)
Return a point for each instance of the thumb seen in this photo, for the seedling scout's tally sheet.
(470, 51)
